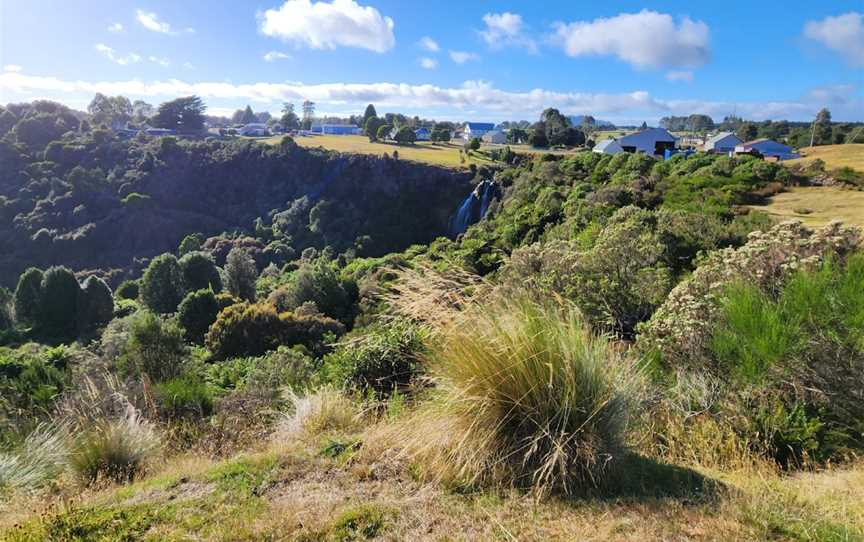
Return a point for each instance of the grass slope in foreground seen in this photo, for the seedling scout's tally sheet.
(835, 156)
(817, 205)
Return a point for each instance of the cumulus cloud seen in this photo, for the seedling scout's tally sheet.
(506, 29)
(164, 62)
(428, 63)
(151, 21)
(328, 25)
(12, 68)
(478, 97)
(113, 56)
(843, 34)
(273, 56)
(116, 27)
(429, 44)
(679, 75)
(647, 39)
(461, 57)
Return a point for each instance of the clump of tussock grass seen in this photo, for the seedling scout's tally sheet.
(525, 396)
(115, 449)
(314, 414)
(39, 459)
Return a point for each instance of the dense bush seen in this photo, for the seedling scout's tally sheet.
(241, 274)
(267, 374)
(154, 347)
(96, 303)
(385, 359)
(128, 289)
(60, 297)
(319, 283)
(199, 272)
(196, 314)
(28, 296)
(162, 284)
(185, 396)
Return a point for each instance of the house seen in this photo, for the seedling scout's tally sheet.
(722, 143)
(495, 137)
(767, 148)
(422, 134)
(254, 129)
(337, 129)
(653, 141)
(608, 146)
(159, 131)
(476, 129)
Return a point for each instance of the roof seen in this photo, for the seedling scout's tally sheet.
(608, 145)
(755, 142)
(256, 126)
(480, 125)
(720, 137)
(651, 134)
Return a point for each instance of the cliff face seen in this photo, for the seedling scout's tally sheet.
(102, 205)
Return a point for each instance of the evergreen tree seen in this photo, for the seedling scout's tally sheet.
(27, 300)
(162, 284)
(241, 274)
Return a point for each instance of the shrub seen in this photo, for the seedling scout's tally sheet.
(96, 304)
(190, 243)
(244, 329)
(405, 135)
(60, 296)
(155, 347)
(528, 397)
(128, 289)
(241, 274)
(268, 374)
(200, 272)
(317, 282)
(308, 330)
(162, 284)
(384, 360)
(114, 450)
(184, 396)
(6, 303)
(196, 314)
(28, 297)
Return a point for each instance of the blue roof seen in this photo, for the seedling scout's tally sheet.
(480, 125)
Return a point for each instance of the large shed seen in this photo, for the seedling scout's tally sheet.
(653, 141)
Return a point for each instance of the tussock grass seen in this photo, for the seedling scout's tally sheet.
(317, 413)
(115, 450)
(41, 457)
(525, 396)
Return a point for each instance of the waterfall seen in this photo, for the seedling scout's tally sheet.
(473, 207)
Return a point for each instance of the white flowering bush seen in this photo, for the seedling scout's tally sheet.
(680, 329)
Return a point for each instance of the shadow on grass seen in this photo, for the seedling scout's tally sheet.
(639, 478)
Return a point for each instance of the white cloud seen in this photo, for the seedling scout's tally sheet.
(843, 34)
(150, 21)
(428, 63)
(471, 97)
(461, 57)
(505, 29)
(161, 61)
(113, 56)
(116, 27)
(647, 39)
(429, 44)
(679, 75)
(188, 66)
(327, 25)
(12, 68)
(273, 56)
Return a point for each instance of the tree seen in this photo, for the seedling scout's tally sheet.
(644, 126)
(248, 116)
(141, 111)
(308, 109)
(289, 117)
(200, 273)
(700, 123)
(196, 314)
(747, 131)
(96, 304)
(383, 133)
(538, 138)
(60, 297)
(241, 273)
(821, 131)
(368, 114)
(556, 126)
(517, 135)
(27, 300)
(405, 135)
(190, 243)
(371, 127)
(184, 114)
(162, 284)
(474, 144)
(110, 110)
(155, 347)
(318, 283)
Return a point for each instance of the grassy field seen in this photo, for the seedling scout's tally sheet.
(834, 156)
(440, 155)
(308, 494)
(817, 205)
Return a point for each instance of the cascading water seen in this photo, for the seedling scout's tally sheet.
(473, 208)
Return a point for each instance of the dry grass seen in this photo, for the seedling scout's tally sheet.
(834, 156)
(444, 154)
(824, 203)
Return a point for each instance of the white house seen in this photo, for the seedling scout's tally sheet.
(608, 146)
(495, 137)
(476, 129)
(767, 148)
(722, 143)
(254, 129)
(651, 141)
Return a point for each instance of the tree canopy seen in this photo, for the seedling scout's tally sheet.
(184, 114)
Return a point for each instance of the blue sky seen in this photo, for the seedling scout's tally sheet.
(476, 60)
